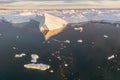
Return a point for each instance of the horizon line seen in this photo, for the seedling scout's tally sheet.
(58, 7)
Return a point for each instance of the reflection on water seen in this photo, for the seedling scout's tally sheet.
(87, 55)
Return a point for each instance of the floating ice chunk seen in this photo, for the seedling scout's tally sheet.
(64, 46)
(80, 29)
(105, 36)
(59, 58)
(111, 57)
(98, 67)
(38, 66)
(14, 48)
(65, 65)
(0, 34)
(76, 29)
(34, 58)
(67, 41)
(118, 69)
(80, 41)
(17, 36)
(51, 71)
(51, 25)
(20, 55)
(48, 41)
(117, 25)
(50, 60)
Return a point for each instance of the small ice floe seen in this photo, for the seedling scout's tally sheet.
(98, 67)
(48, 42)
(117, 25)
(64, 46)
(34, 58)
(14, 48)
(20, 55)
(80, 41)
(65, 65)
(79, 29)
(67, 41)
(50, 60)
(38, 66)
(111, 57)
(51, 71)
(105, 36)
(59, 58)
(118, 69)
(17, 37)
(0, 34)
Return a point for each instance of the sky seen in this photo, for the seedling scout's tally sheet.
(37, 3)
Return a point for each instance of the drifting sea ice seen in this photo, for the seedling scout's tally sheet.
(51, 71)
(34, 58)
(105, 36)
(65, 65)
(20, 55)
(80, 29)
(38, 66)
(80, 41)
(14, 48)
(67, 41)
(0, 34)
(111, 57)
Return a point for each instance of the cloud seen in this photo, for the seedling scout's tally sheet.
(57, 2)
(8, 1)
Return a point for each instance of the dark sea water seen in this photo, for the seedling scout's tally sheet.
(85, 61)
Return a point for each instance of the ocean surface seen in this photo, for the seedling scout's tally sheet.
(83, 57)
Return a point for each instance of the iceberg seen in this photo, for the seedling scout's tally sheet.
(51, 25)
(38, 66)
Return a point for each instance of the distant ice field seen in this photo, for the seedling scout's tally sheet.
(71, 16)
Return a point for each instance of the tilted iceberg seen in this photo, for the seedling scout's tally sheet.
(51, 25)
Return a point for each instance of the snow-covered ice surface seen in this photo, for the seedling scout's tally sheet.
(71, 16)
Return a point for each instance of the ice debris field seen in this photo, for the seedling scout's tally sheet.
(71, 16)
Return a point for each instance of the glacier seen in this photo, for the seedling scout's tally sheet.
(71, 16)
